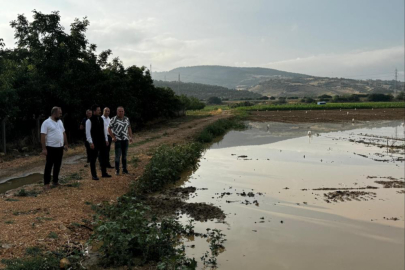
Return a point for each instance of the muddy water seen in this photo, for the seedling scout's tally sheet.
(291, 226)
(14, 183)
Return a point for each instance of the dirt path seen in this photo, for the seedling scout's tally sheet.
(61, 216)
(328, 116)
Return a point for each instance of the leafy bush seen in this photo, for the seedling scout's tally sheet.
(214, 100)
(166, 165)
(219, 128)
(380, 97)
(130, 237)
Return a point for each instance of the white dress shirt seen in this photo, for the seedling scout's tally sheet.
(54, 132)
(106, 123)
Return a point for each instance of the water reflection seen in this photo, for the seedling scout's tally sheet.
(292, 226)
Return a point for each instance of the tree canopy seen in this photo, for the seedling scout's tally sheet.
(51, 67)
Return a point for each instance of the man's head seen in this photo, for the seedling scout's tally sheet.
(56, 113)
(96, 110)
(120, 112)
(106, 111)
(89, 113)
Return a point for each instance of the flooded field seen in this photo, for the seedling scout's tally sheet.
(13, 183)
(305, 196)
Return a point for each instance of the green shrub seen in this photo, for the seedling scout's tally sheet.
(128, 236)
(219, 128)
(166, 165)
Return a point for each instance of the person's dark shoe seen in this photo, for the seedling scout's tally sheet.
(95, 178)
(106, 175)
(125, 172)
(54, 185)
(117, 172)
(110, 167)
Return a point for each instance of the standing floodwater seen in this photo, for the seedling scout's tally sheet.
(333, 199)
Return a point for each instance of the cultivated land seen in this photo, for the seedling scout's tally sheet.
(66, 211)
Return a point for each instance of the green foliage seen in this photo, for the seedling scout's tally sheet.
(308, 100)
(53, 235)
(25, 193)
(166, 165)
(36, 259)
(33, 263)
(329, 106)
(216, 240)
(50, 67)
(128, 236)
(380, 97)
(33, 251)
(214, 101)
(401, 96)
(191, 103)
(346, 98)
(218, 128)
(204, 91)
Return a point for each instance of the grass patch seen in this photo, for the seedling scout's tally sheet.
(9, 222)
(36, 259)
(144, 141)
(71, 177)
(53, 235)
(33, 251)
(219, 128)
(27, 193)
(329, 106)
(134, 161)
(166, 166)
(11, 200)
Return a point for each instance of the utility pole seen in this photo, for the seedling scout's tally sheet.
(150, 71)
(395, 85)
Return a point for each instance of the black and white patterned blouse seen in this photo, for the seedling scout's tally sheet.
(119, 128)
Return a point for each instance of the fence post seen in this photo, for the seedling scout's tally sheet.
(3, 128)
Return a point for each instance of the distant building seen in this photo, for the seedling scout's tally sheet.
(321, 102)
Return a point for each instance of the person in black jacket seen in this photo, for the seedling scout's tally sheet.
(97, 138)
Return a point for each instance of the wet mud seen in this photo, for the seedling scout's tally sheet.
(171, 203)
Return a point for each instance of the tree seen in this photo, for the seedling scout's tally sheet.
(214, 101)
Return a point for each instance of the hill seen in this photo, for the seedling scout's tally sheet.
(241, 78)
(316, 86)
(204, 91)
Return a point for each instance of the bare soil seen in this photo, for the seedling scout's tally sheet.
(327, 116)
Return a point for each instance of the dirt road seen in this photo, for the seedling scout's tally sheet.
(62, 215)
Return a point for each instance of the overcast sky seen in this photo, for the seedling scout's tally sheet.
(339, 38)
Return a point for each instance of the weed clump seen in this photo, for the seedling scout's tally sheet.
(219, 128)
(166, 166)
(130, 236)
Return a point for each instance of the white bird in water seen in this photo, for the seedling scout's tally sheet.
(347, 113)
(306, 111)
(353, 120)
(268, 126)
(309, 133)
(403, 124)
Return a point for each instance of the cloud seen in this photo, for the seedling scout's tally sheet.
(367, 64)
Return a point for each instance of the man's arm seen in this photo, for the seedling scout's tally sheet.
(43, 138)
(65, 141)
(130, 133)
(111, 134)
(88, 134)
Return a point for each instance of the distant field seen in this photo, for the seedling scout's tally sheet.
(329, 106)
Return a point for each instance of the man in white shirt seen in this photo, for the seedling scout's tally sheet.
(106, 119)
(53, 140)
(97, 138)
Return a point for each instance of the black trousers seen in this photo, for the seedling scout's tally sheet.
(53, 159)
(108, 148)
(87, 145)
(99, 152)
